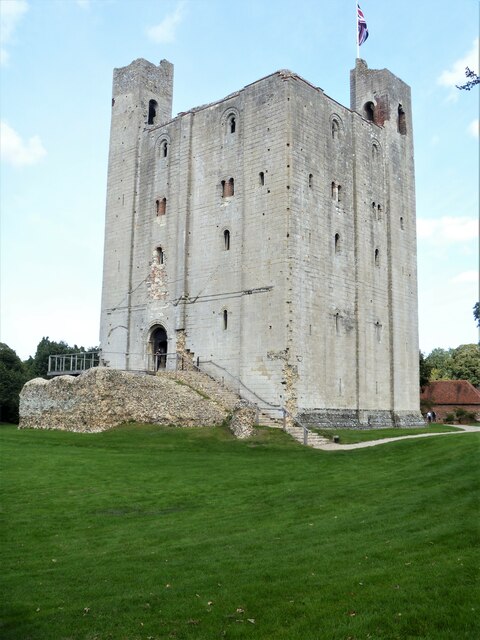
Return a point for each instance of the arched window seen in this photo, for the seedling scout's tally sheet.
(164, 149)
(335, 128)
(226, 240)
(152, 111)
(159, 255)
(369, 111)
(401, 223)
(225, 319)
(375, 152)
(232, 125)
(310, 180)
(377, 258)
(401, 122)
(337, 243)
(261, 177)
(337, 323)
(161, 207)
(337, 193)
(379, 212)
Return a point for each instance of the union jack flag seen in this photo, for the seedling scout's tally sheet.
(362, 26)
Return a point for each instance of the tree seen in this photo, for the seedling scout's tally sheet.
(476, 313)
(465, 363)
(12, 378)
(474, 79)
(37, 366)
(439, 362)
(425, 370)
(462, 363)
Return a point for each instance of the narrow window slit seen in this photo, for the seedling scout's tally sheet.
(152, 111)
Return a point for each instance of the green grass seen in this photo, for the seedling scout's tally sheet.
(146, 532)
(350, 436)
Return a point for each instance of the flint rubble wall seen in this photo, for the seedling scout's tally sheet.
(100, 399)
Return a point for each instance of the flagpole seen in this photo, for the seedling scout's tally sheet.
(356, 31)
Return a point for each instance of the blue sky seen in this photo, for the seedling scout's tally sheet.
(57, 58)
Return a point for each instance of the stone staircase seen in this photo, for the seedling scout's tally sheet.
(314, 440)
(204, 384)
(266, 420)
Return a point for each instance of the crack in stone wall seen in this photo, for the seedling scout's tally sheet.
(156, 280)
(186, 357)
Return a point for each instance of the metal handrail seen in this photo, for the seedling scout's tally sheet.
(271, 407)
(72, 363)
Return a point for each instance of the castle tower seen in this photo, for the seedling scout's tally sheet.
(382, 98)
(270, 236)
(141, 98)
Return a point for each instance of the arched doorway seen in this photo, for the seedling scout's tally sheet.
(158, 341)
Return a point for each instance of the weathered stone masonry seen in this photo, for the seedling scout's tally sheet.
(100, 399)
(272, 233)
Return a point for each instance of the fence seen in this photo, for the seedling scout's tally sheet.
(168, 362)
(72, 363)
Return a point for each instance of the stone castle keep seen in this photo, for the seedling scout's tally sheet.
(270, 238)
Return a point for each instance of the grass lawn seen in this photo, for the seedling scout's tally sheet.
(351, 436)
(147, 532)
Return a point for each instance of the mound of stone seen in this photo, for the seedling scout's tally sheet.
(102, 398)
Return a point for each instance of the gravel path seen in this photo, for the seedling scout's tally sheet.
(331, 446)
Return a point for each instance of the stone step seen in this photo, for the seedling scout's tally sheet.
(314, 440)
(265, 420)
(203, 384)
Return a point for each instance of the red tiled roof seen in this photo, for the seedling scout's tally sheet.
(455, 392)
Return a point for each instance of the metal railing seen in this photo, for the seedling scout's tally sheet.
(72, 363)
(227, 379)
(168, 362)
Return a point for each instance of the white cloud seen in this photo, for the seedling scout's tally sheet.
(11, 12)
(455, 75)
(474, 128)
(18, 152)
(165, 31)
(447, 229)
(465, 276)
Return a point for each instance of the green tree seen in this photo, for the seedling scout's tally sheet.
(12, 378)
(37, 366)
(465, 363)
(425, 370)
(439, 361)
(476, 313)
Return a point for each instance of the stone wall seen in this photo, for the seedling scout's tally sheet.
(100, 399)
(243, 419)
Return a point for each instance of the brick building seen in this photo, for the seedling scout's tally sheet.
(445, 396)
(270, 238)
